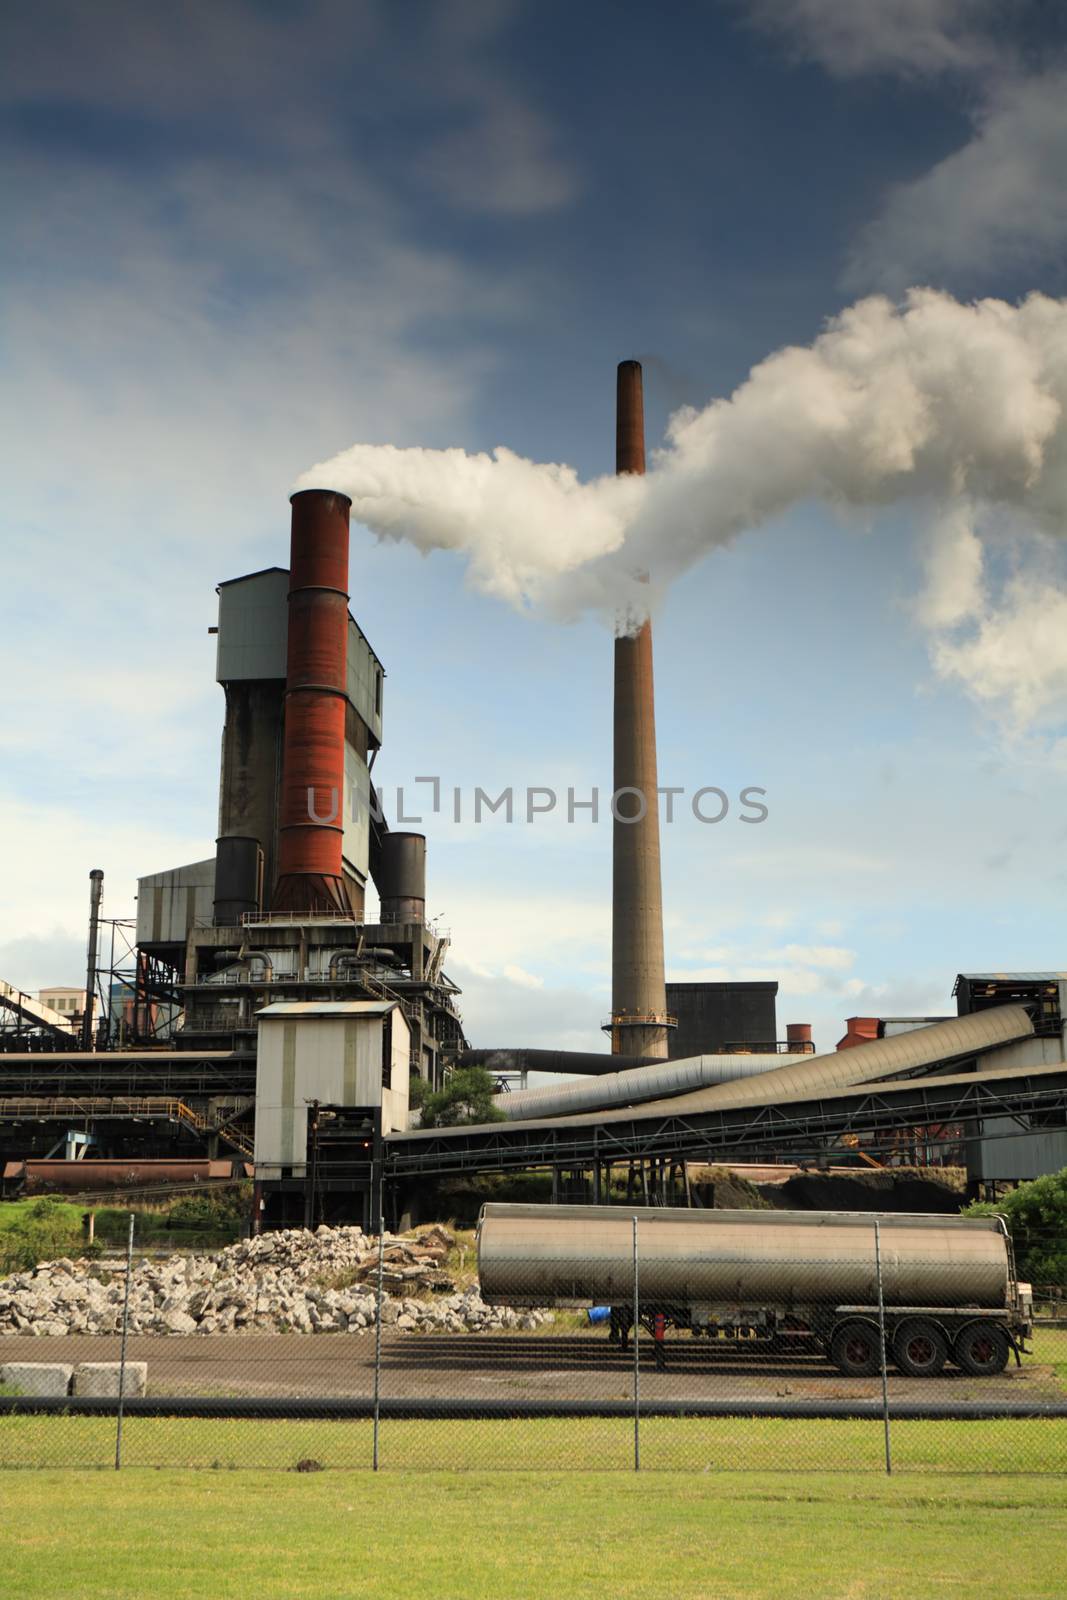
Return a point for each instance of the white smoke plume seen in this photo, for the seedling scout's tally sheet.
(955, 407)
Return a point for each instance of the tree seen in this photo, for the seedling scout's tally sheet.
(466, 1097)
(1036, 1215)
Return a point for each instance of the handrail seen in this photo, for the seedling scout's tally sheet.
(154, 1106)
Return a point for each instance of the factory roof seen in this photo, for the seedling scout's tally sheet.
(294, 1009)
(259, 573)
(1011, 977)
(262, 572)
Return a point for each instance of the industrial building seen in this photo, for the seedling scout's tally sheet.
(262, 1017)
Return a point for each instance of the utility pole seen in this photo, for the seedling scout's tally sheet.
(313, 1164)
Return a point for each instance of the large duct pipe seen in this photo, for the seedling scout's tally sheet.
(505, 1058)
(402, 877)
(813, 1076)
(310, 873)
(96, 895)
(631, 1087)
(639, 1021)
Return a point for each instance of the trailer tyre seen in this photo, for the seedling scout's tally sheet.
(854, 1349)
(920, 1349)
(981, 1349)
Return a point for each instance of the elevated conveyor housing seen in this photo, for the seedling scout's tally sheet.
(32, 1012)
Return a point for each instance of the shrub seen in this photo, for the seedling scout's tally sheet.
(1036, 1214)
(44, 1231)
(466, 1097)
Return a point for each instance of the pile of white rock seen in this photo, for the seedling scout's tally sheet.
(276, 1283)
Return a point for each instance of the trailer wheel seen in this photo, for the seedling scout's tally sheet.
(920, 1349)
(981, 1349)
(854, 1349)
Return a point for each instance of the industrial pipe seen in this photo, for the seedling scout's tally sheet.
(482, 1408)
(520, 1059)
(310, 871)
(813, 1076)
(645, 1082)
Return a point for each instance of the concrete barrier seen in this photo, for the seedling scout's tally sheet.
(36, 1377)
(101, 1378)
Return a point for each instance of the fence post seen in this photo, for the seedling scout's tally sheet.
(881, 1340)
(637, 1359)
(378, 1321)
(125, 1335)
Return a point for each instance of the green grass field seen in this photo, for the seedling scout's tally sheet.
(13, 1212)
(692, 1445)
(661, 1536)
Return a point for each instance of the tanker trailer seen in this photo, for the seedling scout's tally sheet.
(790, 1279)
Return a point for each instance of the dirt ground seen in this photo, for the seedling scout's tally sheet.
(502, 1366)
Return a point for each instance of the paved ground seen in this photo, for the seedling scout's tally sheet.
(499, 1366)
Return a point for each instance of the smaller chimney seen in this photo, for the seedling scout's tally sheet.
(402, 877)
(860, 1030)
(798, 1038)
(96, 895)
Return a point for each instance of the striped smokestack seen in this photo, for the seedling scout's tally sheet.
(639, 1021)
(310, 874)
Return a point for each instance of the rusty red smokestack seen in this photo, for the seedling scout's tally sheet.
(310, 874)
(639, 1022)
(629, 418)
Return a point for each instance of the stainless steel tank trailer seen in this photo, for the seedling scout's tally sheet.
(791, 1280)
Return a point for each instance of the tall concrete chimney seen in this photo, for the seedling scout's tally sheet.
(639, 1021)
(310, 871)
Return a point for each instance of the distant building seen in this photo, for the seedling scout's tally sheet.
(720, 1018)
(59, 997)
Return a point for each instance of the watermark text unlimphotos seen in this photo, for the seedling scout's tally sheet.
(708, 804)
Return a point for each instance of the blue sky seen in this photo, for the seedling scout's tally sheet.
(240, 238)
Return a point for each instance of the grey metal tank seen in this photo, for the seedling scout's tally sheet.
(537, 1255)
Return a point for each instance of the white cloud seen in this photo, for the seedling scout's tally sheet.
(498, 1010)
(519, 975)
(953, 559)
(520, 928)
(910, 37)
(833, 957)
(476, 139)
(44, 889)
(36, 961)
(503, 161)
(1015, 658)
(924, 402)
(997, 204)
(1004, 643)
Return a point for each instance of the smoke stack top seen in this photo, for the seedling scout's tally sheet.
(629, 418)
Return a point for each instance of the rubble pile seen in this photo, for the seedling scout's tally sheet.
(291, 1282)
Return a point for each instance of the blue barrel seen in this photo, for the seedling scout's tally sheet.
(599, 1314)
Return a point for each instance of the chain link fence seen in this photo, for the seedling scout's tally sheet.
(332, 1349)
